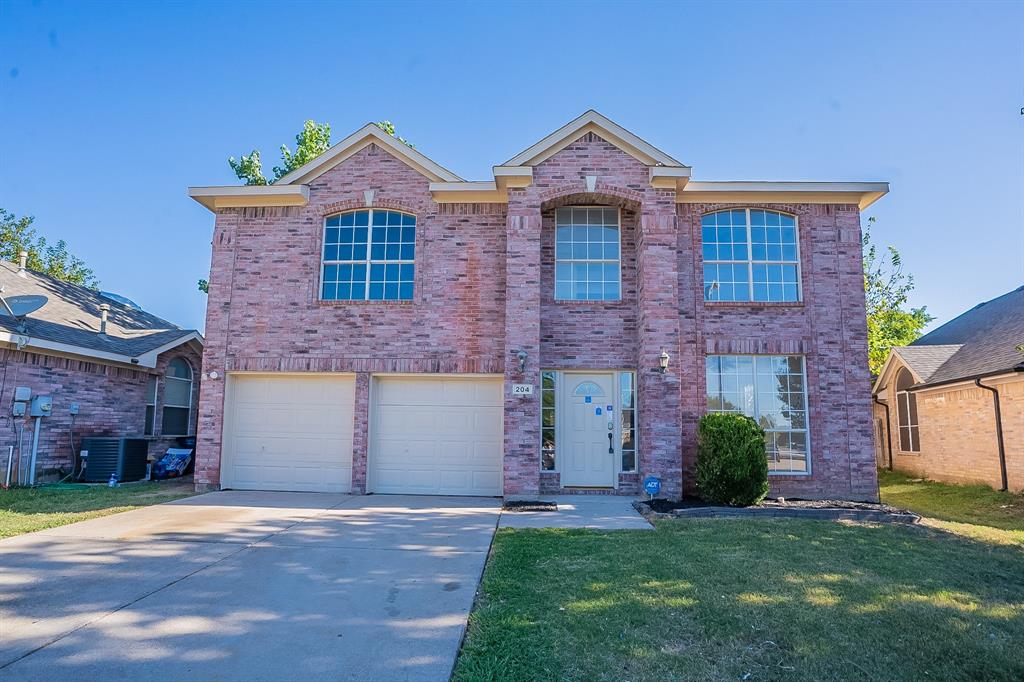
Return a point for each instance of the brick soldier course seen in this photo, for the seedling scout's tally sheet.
(484, 291)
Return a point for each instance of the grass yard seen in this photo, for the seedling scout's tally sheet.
(973, 510)
(23, 510)
(766, 599)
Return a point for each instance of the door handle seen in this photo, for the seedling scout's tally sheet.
(611, 449)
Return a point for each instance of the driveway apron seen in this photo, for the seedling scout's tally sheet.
(247, 586)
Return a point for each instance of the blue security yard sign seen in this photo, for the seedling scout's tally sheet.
(652, 485)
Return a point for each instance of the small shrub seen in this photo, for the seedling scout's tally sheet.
(731, 464)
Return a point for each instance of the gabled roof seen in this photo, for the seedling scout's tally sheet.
(981, 342)
(606, 129)
(365, 136)
(445, 187)
(70, 322)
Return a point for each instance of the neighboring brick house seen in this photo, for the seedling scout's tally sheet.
(378, 324)
(950, 406)
(138, 376)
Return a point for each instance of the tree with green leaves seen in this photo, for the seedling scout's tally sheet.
(887, 289)
(17, 235)
(311, 142)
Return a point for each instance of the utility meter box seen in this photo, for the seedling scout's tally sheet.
(22, 394)
(41, 406)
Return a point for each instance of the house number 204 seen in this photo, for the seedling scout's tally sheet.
(522, 389)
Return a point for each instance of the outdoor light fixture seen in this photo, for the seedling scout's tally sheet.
(521, 356)
(663, 361)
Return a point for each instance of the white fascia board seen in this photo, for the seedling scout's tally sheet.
(149, 358)
(356, 141)
(468, 192)
(861, 193)
(238, 196)
(31, 342)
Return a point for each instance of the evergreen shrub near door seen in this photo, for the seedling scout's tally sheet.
(731, 464)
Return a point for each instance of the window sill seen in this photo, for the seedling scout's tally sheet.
(572, 302)
(785, 475)
(333, 304)
(754, 304)
(904, 453)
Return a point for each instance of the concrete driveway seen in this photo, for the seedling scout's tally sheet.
(246, 585)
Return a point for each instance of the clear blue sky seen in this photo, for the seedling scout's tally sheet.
(148, 98)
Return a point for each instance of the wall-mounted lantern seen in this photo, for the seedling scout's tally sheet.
(521, 357)
(663, 361)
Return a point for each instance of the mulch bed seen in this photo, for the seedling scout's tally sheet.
(529, 506)
(691, 507)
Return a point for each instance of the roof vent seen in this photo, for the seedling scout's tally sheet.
(22, 263)
(104, 311)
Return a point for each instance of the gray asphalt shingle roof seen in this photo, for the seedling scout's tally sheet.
(981, 341)
(72, 316)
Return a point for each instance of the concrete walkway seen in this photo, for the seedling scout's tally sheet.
(247, 586)
(601, 512)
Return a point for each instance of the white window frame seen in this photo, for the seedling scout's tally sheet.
(911, 426)
(757, 409)
(369, 261)
(150, 424)
(750, 262)
(191, 390)
(617, 261)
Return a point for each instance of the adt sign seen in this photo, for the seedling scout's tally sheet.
(652, 485)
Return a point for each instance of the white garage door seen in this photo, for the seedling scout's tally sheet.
(289, 432)
(437, 436)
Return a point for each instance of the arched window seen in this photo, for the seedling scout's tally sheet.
(369, 255)
(588, 389)
(177, 413)
(906, 413)
(750, 254)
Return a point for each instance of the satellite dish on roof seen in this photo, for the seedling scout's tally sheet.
(20, 306)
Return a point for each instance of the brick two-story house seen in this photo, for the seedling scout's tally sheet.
(378, 324)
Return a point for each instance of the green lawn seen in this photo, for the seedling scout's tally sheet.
(973, 510)
(766, 599)
(23, 510)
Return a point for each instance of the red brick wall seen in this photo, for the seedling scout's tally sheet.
(111, 402)
(264, 312)
(828, 327)
(958, 437)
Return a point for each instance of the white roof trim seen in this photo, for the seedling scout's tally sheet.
(359, 140)
(147, 359)
(861, 193)
(609, 130)
(235, 196)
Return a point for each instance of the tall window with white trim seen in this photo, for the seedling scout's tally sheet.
(177, 413)
(369, 255)
(750, 255)
(587, 254)
(772, 390)
(906, 413)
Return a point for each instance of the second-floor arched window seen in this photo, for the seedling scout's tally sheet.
(369, 255)
(750, 254)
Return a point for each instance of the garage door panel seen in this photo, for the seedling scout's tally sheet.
(289, 432)
(437, 436)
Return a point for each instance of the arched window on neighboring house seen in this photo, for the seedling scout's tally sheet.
(177, 413)
(906, 413)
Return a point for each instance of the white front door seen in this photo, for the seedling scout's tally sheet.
(588, 430)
